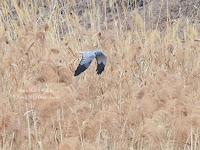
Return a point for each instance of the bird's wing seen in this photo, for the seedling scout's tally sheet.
(85, 62)
(101, 62)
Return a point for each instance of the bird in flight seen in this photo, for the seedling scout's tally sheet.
(87, 58)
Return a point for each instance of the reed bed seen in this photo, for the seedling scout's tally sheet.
(147, 97)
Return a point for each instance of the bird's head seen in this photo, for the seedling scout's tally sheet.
(98, 52)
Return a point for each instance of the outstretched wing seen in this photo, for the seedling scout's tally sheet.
(85, 62)
(101, 62)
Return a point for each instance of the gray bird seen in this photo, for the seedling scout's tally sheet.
(87, 58)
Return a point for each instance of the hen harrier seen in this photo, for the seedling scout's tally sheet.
(87, 58)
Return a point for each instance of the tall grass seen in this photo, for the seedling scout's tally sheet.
(147, 97)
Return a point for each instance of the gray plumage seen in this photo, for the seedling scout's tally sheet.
(87, 58)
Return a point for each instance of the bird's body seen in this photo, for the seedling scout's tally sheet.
(87, 58)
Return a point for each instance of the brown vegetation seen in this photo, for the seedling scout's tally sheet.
(147, 97)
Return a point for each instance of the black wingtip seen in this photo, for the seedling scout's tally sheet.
(100, 68)
(79, 70)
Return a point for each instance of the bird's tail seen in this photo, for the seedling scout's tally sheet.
(79, 52)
